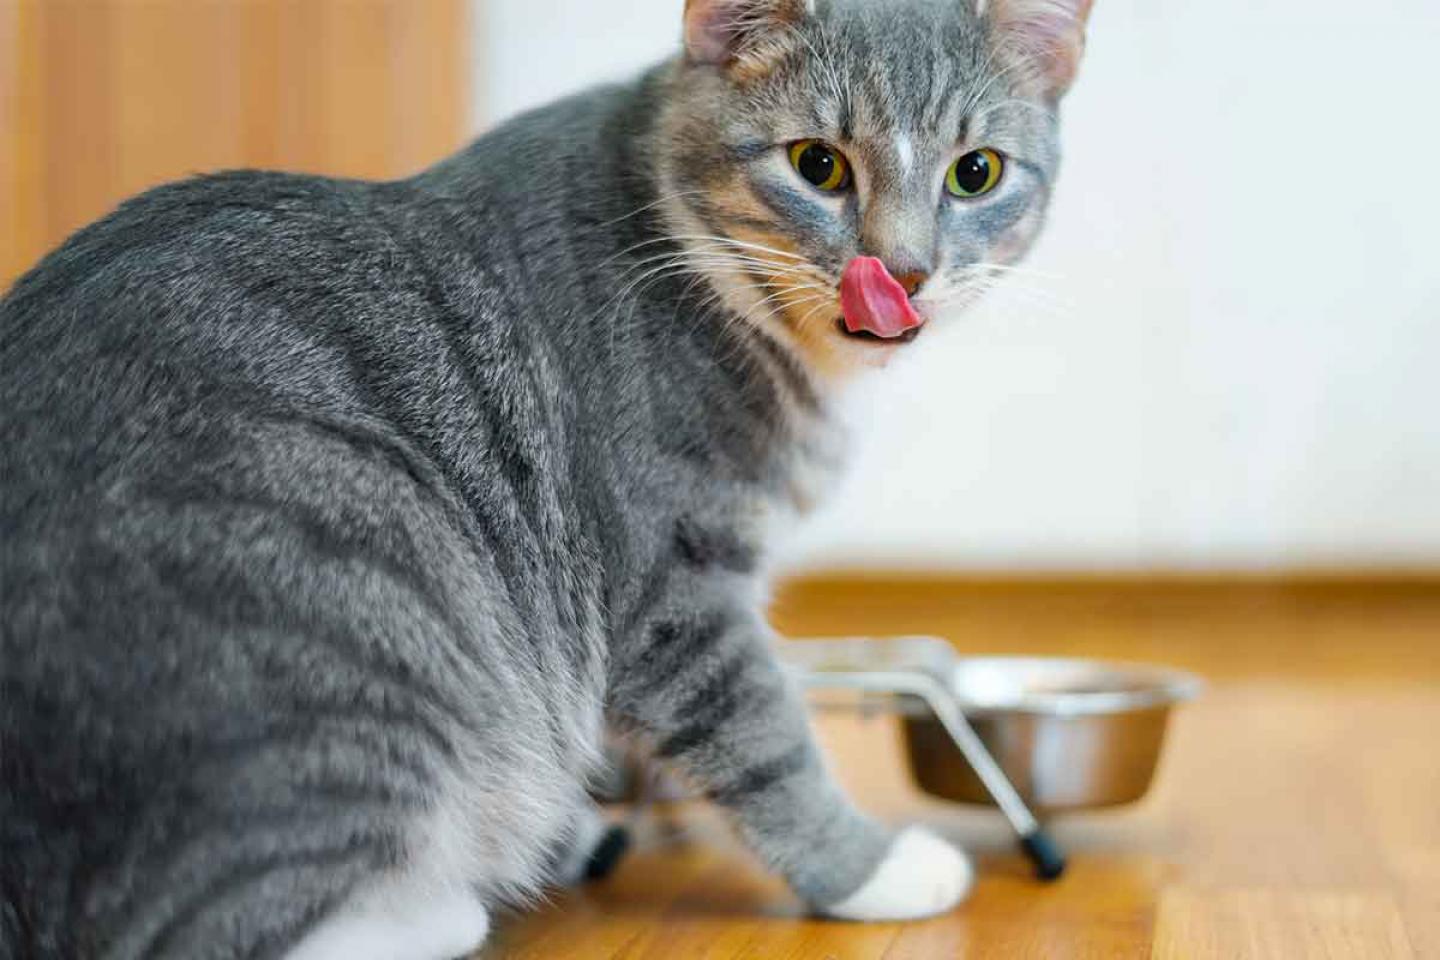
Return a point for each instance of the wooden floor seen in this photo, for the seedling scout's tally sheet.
(1297, 812)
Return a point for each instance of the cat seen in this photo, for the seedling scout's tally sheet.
(342, 520)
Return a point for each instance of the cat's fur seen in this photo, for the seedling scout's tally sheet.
(340, 518)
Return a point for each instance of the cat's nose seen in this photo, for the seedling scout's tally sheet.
(911, 280)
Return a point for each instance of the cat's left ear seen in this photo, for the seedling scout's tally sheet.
(1050, 32)
(727, 33)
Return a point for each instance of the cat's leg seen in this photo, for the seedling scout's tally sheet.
(399, 919)
(709, 693)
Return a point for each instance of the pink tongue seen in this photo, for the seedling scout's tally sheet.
(874, 301)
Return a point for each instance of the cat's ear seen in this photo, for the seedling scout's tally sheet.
(1051, 33)
(739, 32)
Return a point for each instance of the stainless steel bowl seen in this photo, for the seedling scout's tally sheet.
(1069, 734)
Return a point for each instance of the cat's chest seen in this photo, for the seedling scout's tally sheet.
(808, 470)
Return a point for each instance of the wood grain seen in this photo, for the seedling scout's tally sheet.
(101, 99)
(1295, 815)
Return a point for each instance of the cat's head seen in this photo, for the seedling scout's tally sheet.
(845, 172)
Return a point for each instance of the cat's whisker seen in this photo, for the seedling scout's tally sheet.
(796, 285)
(634, 247)
(679, 263)
(1023, 296)
(805, 318)
(678, 195)
(625, 291)
(1020, 271)
(780, 297)
(714, 256)
(614, 307)
(1020, 281)
(769, 277)
(1029, 293)
(706, 238)
(651, 266)
(781, 290)
(740, 243)
(780, 268)
(765, 268)
(772, 312)
(1039, 283)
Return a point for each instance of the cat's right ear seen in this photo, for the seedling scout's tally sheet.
(740, 33)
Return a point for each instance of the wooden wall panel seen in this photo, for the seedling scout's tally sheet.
(100, 99)
(10, 214)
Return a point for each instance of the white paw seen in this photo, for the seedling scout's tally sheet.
(921, 876)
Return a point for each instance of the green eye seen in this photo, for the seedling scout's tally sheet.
(974, 174)
(820, 164)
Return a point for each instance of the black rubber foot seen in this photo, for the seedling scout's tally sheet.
(607, 853)
(1045, 853)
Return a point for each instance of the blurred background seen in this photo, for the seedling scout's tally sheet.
(1226, 358)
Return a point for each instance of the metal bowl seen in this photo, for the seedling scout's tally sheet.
(1070, 734)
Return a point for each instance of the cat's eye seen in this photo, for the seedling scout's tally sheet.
(974, 174)
(822, 166)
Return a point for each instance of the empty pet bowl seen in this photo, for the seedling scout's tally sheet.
(1069, 734)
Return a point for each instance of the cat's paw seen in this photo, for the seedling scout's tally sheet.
(921, 876)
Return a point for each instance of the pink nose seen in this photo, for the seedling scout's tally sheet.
(912, 281)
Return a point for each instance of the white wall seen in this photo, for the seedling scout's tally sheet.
(1233, 358)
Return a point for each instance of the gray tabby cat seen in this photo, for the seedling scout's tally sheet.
(341, 519)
